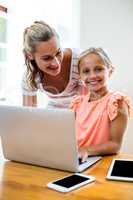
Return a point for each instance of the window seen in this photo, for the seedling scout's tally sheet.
(3, 48)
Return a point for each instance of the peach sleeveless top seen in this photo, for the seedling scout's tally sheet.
(93, 118)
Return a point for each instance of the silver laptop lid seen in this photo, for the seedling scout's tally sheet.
(39, 136)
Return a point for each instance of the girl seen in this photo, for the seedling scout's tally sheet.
(101, 115)
(48, 68)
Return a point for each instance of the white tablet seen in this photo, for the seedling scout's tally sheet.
(121, 169)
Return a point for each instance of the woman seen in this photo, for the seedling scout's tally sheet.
(49, 68)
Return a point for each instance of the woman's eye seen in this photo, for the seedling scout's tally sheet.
(50, 58)
(47, 58)
(58, 53)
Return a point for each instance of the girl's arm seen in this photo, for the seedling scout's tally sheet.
(29, 100)
(117, 129)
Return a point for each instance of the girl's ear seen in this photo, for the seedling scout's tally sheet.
(111, 70)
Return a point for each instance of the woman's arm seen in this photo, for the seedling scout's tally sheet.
(29, 100)
(117, 129)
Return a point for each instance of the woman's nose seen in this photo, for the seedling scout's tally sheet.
(55, 61)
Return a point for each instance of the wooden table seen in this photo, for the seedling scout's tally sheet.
(25, 182)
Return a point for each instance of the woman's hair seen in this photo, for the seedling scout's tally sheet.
(98, 51)
(39, 31)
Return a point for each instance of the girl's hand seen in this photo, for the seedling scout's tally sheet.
(83, 154)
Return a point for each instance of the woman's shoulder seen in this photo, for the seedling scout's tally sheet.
(75, 52)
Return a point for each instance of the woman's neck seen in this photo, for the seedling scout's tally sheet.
(60, 81)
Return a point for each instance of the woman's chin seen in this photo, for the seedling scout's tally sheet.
(53, 72)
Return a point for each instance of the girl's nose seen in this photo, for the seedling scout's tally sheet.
(92, 74)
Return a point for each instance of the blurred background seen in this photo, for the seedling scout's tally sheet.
(80, 24)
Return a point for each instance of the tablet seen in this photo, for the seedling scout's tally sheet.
(121, 169)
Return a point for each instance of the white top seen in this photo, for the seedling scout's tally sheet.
(64, 98)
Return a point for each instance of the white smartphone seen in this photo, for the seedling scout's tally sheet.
(71, 182)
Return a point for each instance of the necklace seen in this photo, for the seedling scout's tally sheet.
(95, 96)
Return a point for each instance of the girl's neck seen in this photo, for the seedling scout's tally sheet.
(93, 96)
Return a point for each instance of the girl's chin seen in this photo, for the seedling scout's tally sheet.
(95, 89)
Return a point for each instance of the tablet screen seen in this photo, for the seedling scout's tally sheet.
(121, 169)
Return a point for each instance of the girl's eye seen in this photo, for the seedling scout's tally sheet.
(86, 71)
(99, 69)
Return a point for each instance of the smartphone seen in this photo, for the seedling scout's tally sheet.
(71, 182)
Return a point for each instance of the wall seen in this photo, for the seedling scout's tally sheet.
(109, 24)
(3, 47)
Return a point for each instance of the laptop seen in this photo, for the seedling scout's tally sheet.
(41, 136)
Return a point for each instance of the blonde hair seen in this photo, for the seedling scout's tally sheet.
(98, 51)
(39, 31)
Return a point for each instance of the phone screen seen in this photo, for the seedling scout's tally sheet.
(70, 181)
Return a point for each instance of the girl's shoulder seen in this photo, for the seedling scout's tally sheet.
(115, 102)
(76, 101)
(116, 96)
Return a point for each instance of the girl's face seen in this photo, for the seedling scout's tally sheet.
(48, 56)
(94, 73)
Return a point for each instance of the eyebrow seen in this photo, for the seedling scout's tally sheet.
(95, 66)
(45, 55)
(100, 66)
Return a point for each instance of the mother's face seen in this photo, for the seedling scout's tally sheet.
(48, 56)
